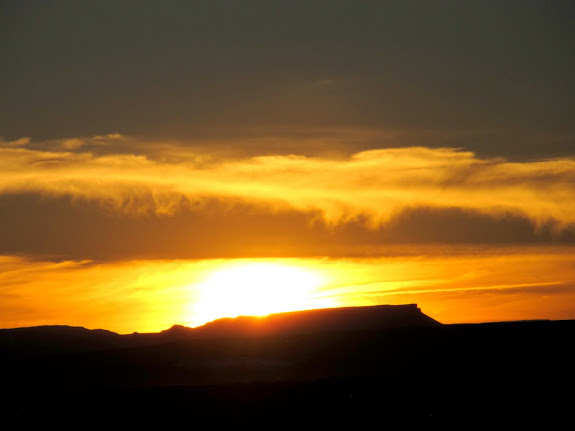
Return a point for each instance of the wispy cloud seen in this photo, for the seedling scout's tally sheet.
(375, 184)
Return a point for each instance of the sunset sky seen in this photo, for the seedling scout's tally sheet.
(172, 162)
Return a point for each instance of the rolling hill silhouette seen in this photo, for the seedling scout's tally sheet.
(347, 366)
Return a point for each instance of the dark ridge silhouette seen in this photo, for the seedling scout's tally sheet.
(56, 339)
(349, 366)
(59, 339)
(343, 319)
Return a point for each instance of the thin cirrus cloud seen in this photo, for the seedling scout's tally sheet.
(374, 185)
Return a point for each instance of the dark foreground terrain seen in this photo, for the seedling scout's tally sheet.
(371, 366)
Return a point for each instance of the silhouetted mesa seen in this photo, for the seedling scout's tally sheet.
(59, 339)
(343, 319)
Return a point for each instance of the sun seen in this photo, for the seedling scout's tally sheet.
(255, 289)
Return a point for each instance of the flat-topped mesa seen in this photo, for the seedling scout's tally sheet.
(321, 320)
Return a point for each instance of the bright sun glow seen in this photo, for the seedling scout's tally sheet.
(256, 289)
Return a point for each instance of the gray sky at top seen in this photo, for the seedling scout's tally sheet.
(494, 77)
(498, 75)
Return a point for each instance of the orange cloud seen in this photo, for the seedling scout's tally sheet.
(375, 184)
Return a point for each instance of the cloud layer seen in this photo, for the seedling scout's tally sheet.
(374, 185)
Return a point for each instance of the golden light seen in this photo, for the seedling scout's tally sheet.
(255, 289)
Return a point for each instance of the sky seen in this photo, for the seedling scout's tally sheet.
(178, 161)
